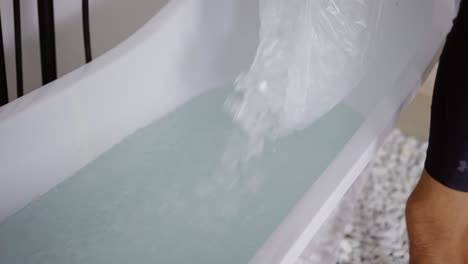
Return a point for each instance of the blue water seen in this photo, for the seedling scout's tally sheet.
(164, 194)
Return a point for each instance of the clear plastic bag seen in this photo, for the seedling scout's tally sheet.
(311, 54)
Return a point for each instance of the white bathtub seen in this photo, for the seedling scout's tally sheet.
(190, 46)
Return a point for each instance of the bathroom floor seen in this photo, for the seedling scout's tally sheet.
(369, 224)
(371, 228)
(415, 118)
(376, 232)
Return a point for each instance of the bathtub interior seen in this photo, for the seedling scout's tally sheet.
(157, 190)
(112, 204)
(189, 47)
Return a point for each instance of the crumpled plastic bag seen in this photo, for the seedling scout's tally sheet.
(310, 55)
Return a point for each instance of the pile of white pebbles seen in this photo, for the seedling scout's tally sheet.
(372, 213)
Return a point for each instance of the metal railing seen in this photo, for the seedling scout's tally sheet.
(47, 45)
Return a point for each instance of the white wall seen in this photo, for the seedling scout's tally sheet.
(111, 21)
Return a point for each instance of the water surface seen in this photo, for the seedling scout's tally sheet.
(164, 196)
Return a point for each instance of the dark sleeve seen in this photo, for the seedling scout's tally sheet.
(447, 155)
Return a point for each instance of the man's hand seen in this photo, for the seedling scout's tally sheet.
(437, 220)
